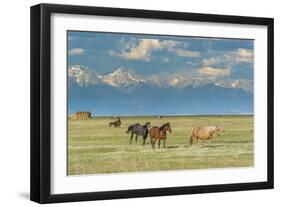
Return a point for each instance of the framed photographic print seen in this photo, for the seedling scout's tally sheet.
(132, 103)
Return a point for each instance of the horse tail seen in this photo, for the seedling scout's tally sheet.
(191, 137)
(129, 129)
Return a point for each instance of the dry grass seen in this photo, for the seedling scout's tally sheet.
(93, 147)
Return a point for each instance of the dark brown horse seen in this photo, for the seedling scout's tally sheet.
(159, 133)
(116, 123)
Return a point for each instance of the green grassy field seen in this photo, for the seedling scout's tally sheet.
(93, 147)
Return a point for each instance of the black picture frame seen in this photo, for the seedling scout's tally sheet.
(41, 99)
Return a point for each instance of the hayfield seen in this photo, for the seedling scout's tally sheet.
(95, 148)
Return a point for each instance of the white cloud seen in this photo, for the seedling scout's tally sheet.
(76, 51)
(217, 60)
(214, 72)
(185, 53)
(144, 48)
(244, 55)
(167, 44)
(191, 63)
(164, 59)
(241, 55)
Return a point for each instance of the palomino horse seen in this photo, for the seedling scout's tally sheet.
(116, 123)
(158, 133)
(138, 129)
(204, 133)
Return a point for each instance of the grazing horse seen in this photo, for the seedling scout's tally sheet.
(204, 133)
(138, 129)
(116, 123)
(158, 133)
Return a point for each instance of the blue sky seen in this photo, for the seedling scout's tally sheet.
(154, 54)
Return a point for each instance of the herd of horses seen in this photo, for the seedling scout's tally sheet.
(157, 134)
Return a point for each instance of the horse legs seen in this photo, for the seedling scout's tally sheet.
(159, 142)
(136, 139)
(164, 142)
(196, 140)
(152, 143)
(210, 142)
(144, 138)
(131, 138)
(203, 142)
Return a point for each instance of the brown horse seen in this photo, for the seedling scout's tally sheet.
(204, 133)
(159, 133)
(116, 123)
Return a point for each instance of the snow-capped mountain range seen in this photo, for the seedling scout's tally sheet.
(123, 78)
(123, 92)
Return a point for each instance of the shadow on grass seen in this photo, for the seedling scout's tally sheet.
(213, 146)
(240, 142)
(173, 146)
(205, 146)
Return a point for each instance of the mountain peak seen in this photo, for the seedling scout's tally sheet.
(120, 70)
(246, 85)
(82, 76)
(75, 70)
(122, 77)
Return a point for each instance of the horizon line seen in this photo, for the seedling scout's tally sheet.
(169, 115)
